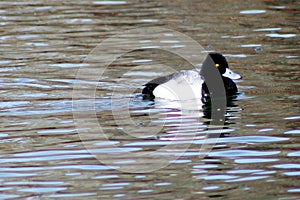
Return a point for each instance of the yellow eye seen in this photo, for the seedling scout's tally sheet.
(217, 65)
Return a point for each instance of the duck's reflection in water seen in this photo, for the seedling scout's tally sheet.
(191, 119)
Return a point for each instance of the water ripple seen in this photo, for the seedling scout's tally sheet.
(242, 153)
(287, 166)
(253, 12)
(255, 160)
(42, 189)
(277, 35)
(292, 132)
(251, 178)
(294, 154)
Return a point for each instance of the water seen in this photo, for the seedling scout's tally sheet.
(44, 153)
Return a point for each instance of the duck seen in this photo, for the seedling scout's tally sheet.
(193, 84)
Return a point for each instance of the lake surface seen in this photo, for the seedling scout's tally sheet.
(56, 145)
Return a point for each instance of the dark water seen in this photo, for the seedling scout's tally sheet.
(47, 154)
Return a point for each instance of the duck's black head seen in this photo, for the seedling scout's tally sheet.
(220, 61)
(209, 74)
(223, 67)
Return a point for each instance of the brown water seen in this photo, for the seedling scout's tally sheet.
(44, 154)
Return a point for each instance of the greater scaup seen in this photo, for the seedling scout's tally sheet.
(187, 84)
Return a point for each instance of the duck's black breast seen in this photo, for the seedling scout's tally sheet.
(229, 86)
